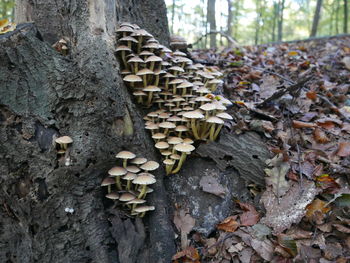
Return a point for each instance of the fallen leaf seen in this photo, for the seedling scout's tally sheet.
(250, 216)
(277, 175)
(344, 149)
(268, 86)
(210, 185)
(312, 95)
(316, 206)
(189, 253)
(293, 53)
(288, 244)
(301, 124)
(281, 213)
(346, 61)
(184, 223)
(320, 136)
(229, 224)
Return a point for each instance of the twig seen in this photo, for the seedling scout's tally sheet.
(274, 73)
(335, 108)
(232, 42)
(281, 92)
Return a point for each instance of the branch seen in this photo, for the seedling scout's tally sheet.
(233, 43)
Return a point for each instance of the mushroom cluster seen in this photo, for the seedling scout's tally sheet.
(179, 92)
(129, 183)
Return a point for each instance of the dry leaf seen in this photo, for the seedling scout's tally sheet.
(312, 95)
(320, 136)
(344, 149)
(316, 206)
(301, 124)
(229, 224)
(268, 86)
(184, 223)
(210, 185)
(277, 175)
(250, 216)
(281, 213)
(346, 61)
(189, 254)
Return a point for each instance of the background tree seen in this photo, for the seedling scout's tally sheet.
(211, 22)
(316, 18)
(346, 15)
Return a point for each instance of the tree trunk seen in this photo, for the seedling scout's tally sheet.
(346, 15)
(45, 94)
(173, 16)
(229, 17)
(316, 19)
(212, 22)
(275, 17)
(280, 19)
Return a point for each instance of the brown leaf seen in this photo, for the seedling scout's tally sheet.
(312, 95)
(229, 224)
(183, 221)
(250, 216)
(344, 149)
(320, 136)
(301, 124)
(210, 185)
(346, 61)
(190, 254)
(316, 206)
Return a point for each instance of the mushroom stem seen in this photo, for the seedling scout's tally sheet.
(117, 183)
(144, 77)
(217, 132)
(109, 189)
(194, 129)
(149, 100)
(212, 132)
(156, 82)
(168, 168)
(152, 65)
(139, 45)
(125, 163)
(143, 192)
(124, 59)
(142, 214)
(128, 184)
(179, 165)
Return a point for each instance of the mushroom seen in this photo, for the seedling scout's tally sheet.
(113, 196)
(108, 181)
(117, 172)
(143, 209)
(193, 116)
(214, 121)
(129, 177)
(138, 160)
(63, 141)
(169, 163)
(150, 166)
(150, 90)
(125, 155)
(143, 73)
(184, 149)
(144, 179)
(132, 79)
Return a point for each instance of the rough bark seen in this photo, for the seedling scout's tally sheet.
(44, 94)
(316, 19)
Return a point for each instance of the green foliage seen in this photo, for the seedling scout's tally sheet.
(190, 19)
(6, 9)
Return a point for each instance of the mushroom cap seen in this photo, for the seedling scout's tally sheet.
(224, 115)
(144, 179)
(175, 156)
(139, 93)
(193, 115)
(177, 68)
(166, 152)
(136, 201)
(174, 118)
(181, 128)
(129, 176)
(214, 119)
(117, 171)
(141, 32)
(146, 53)
(136, 59)
(163, 115)
(167, 125)
(175, 140)
(113, 196)
(128, 38)
(185, 84)
(123, 48)
(151, 89)
(158, 136)
(175, 81)
(144, 208)
(188, 141)
(215, 81)
(125, 155)
(132, 78)
(162, 145)
(107, 181)
(144, 71)
(179, 53)
(202, 98)
(125, 29)
(183, 147)
(138, 160)
(133, 169)
(153, 59)
(150, 166)
(208, 107)
(64, 139)
(168, 162)
(126, 197)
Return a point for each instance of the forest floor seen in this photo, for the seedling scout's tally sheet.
(296, 96)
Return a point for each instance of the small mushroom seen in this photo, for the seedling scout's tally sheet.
(64, 141)
(117, 172)
(125, 155)
(143, 209)
(108, 181)
(144, 179)
(184, 149)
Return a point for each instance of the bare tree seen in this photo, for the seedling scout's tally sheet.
(212, 22)
(280, 19)
(229, 17)
(316, 19)
(173, 16)
(346, 15)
